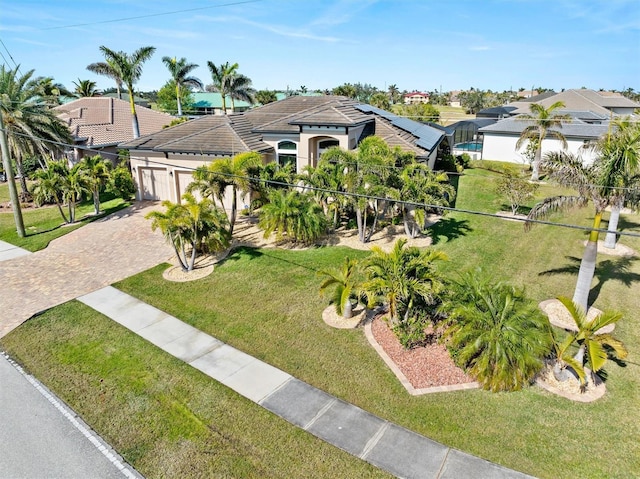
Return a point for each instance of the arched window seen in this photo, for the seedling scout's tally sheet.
(287, 153)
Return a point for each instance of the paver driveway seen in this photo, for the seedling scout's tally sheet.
(89, 258)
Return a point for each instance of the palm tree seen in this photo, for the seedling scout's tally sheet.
(48, 187)
(190, 227)
(96, 175)
(109, 68)
(85, 88)
(180, 70)
(570, 171)
(129, 69)
(213, 179)
(239, 88)
(394, 93)
(328, 178)
(403, 278)
(380, 100)
(220, 77)
(31, 126)
(73, 187)
(292, 216)
(618, 155)
(265, 96)
(344, 282)
(542, 121)
(592, 347)
(49, 91)
(499, 337)
(420, 185)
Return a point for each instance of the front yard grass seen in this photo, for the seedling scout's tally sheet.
(266, 303)
(44, 224)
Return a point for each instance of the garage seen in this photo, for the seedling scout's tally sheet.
(154, 184)
(183, 178)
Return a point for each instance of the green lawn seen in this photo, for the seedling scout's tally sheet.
(265, 302)
(44, 224)
(452, 114)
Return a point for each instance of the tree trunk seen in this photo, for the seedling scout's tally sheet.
(535, 166)
(96, 201)
(347, 310)
(24, 196)
(234, 207)
(611, 238)
(134, 125)
(561, 374)
(192, 261)
(359, 223)
(587, 267)
(178, 99)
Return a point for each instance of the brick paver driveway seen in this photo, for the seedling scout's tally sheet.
(89, 258)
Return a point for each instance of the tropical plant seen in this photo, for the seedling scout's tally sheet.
(121, 182)
(129, 69)
(220, 80)
(394, 94)
(213, 179)
(191, 227)
(166, 100)
(47, 187)
(49, 91)
(344, 281)
(543, 122)
(265, 96)
(180, 70)
(496, 334)
(239, 88)
(516, 189)
(570, 171)
(85, 88)
(293, 217)
(95, 172)
(407, 281)
(593, 348)
(421, 189)
(618, 154)
(32, 128)
(422, 112)
(110, 69)
(380, 100)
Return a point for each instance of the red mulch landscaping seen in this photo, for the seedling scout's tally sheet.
(424, 366)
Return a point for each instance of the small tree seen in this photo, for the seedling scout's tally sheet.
(121, 182)
(344, 282)
(95, 174)
(192, 227)
(516, 189)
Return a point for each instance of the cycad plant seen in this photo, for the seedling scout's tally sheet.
(496, 334)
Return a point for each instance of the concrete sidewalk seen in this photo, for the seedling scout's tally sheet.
(381, 443)
(9, 251)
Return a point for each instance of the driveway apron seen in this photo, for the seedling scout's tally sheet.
(87, 259)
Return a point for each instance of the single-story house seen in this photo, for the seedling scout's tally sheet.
(295, 130)
(99, 124)
(499, 139)
(583, 99)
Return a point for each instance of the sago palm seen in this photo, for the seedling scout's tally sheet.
(499, 337)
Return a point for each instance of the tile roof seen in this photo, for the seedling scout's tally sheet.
(578, 100)
(232, 134)
(574, 129)
(102, 121)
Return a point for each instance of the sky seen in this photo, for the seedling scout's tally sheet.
(423, 45)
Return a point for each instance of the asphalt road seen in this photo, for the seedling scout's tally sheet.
(38, 440)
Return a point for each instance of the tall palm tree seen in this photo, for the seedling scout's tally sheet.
(570, 171)
(499, 336)
(190, 227)
(344, 282)
(85, 88)
(592, 346)
(95, 171)
(32, 127)
(618, 154)
(402, 278)
(110, 69)
(129, 69)
(220, 80)
(49, 91)
(542, 122)
(239, 88)
(180, 70)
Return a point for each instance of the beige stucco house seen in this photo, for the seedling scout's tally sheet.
(295, 130)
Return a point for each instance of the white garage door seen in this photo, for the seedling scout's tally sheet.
(183, 179)
(155, 185)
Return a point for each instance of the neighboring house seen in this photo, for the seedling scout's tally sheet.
(496, 112)
(296, 130)
(210, 103)
(464, 136)
(416, 97)
(581, 100)
(527, 93)
(454, 98)
(125, 97)
(99, 124)
(499, 139)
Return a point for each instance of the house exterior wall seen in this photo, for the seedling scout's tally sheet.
(502, 147)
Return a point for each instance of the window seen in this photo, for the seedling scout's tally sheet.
(287, 154)
(324, 145)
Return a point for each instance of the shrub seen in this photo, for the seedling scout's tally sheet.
(121, 182)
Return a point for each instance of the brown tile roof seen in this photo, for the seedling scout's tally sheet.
(100, 121)
(232, 134)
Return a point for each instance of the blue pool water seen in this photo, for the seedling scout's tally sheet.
(469, 146)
